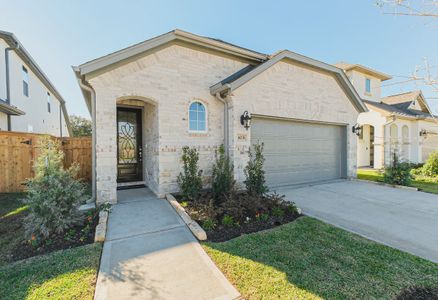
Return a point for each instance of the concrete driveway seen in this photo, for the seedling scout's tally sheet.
(403, 219)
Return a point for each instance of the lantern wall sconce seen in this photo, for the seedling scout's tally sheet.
(423, 133)
(357, 129)
(245, 120)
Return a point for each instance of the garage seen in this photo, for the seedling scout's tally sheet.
(299, 152)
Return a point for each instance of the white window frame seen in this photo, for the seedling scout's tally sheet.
(206, 117)
(25, 73)
(367, 80)
(49, 103)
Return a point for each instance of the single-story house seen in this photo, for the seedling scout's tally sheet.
(178, 89)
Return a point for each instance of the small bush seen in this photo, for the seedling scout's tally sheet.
(430, 168)
(255, 175)
(228, 221)
(398, 172)
(54, 195)
(278, 212)
(209, 225)
(189, 180)
(222, 175)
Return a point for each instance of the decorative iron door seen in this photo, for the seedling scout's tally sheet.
(371, 146)
(129, 145)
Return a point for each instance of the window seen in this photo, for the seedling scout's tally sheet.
(197, 117)
(25, 82)
(368, 85)
(49, 101)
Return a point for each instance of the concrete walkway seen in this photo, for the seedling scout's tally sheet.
(149, 253)
(400, 218)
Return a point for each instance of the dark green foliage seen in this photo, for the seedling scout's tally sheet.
(54, 195)
(255, 175)
(398, 172)
(209, 224)
(189, 180)
(80, 126)
(228, 221)
(222, 175)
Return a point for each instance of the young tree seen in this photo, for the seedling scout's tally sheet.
(255, 181)
(80, 126)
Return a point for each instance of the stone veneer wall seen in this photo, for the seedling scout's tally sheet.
(291, 90)
(169, 79)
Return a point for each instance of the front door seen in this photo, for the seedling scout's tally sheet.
(129, 145)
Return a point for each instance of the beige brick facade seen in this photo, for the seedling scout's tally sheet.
(165, 82)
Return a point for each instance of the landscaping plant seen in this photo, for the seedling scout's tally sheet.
(430, 168)
(398, 172)
(54, 195)
(189, 180)
(222, 175)
(255, 175)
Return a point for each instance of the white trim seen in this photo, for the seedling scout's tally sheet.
(206, 116)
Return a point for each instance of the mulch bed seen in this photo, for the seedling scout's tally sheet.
(74, 237)
(418, 293)
(248, 221)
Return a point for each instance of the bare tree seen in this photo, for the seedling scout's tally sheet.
(423, 8)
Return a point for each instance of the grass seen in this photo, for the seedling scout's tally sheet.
(65, 274)
(421, 183)
(308, 259)
(12, 212)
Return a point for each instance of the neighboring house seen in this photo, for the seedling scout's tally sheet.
(401, 124)
(149, 100)
(29, 102)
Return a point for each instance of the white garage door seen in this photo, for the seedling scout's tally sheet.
(300, 152)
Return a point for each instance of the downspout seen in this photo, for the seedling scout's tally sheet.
(60, 119)
(226, 123)
(8, 88)
(93, 135)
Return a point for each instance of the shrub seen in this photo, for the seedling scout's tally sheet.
(255, 175)
(278, 212)
(228, 221)
(398, 172)
(54, 195)
(222, 175)
(209, 225)
(430, 168)
(189, 180)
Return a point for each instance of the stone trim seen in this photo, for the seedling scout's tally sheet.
(194, 227)
(100, 233)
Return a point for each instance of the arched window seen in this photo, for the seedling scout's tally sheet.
(405, 134)
(197, 117)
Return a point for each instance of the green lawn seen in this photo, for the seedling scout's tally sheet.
(422, 184)
(65, 274)
(12, 212)
(308, 259)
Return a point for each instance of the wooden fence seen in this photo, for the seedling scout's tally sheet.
(18, 151)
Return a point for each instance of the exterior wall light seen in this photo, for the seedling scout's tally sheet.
(357, 129)
(245, 120)
(423, 133)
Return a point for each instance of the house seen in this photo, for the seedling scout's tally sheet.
(401, 124)
(179, 89)
(29, 102)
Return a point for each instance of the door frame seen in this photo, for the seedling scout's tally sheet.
(139, 139)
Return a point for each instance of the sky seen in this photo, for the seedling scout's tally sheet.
(64, 33)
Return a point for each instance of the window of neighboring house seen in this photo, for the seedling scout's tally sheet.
(368, 85)
(49, 102)
(25, 82)
(197, 117)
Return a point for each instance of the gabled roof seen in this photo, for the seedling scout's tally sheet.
(401, 109)
(347, 66)
(405, 100)
(234, 81)
(174, 35)
(12, 41)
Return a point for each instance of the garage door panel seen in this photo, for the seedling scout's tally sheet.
(298, 152)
